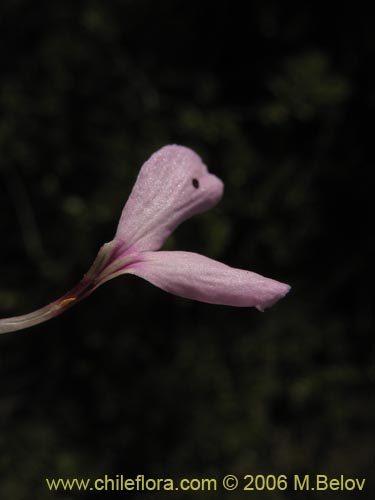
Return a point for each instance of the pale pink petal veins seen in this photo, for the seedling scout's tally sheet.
(172, 186)
(194, 276)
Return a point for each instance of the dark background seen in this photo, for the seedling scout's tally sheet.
(279, 101)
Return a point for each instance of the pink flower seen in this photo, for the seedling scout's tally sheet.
(172, 186)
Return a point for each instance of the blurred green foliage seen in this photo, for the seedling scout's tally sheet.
(304, 89)
(277, 101)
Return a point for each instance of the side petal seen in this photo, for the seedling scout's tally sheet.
(171, 186)
(194, 276)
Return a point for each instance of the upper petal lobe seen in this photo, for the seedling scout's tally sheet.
(172, 186)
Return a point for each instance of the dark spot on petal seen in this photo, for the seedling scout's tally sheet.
(195, 183)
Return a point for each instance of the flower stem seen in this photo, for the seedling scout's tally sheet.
(85, 287)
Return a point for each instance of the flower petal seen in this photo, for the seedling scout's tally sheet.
(194, 276)
(171, 186)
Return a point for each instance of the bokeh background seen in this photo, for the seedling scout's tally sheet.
(279, 99)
